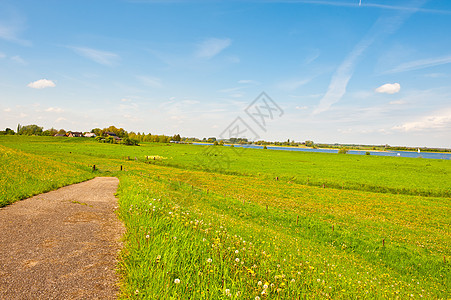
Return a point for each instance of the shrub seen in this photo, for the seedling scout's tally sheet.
(343, 151)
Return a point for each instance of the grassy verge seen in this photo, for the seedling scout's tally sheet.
(24, 175)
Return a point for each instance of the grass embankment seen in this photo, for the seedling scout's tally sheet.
(24, 175)
(194, 232)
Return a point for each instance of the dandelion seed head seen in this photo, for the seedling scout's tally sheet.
(176, 281)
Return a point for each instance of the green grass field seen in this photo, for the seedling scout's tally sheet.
(210, 223)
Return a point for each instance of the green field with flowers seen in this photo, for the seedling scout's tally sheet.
(198, 230)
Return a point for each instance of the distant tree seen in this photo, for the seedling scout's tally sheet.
(61, 131)
(176, 138)
(97, 131)
(216, 143)
(130, 142)
(7, 131)
(31, 130)
(309, 143)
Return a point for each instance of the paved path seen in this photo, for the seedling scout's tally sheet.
(62, 244)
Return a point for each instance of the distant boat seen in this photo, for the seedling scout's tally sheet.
(419, 150)
(399, 154)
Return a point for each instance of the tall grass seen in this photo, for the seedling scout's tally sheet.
(23, 175)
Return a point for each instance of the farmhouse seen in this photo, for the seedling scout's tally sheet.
(89, 134)
(74, 134)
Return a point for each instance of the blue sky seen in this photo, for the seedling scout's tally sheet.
(378, 72)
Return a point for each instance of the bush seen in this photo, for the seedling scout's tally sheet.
(343, 151)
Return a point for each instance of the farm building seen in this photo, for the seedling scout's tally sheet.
(74, 134)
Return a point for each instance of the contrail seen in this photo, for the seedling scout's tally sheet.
(360, 3)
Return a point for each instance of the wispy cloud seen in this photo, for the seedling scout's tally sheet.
(11, 25)
(293, 84)
(212, 47)
(41, 84)
(363, 4)
(19, 60)
(150, 81)
(438, 120)
(337, 87)
(54, 109)
(421, 64)
(388, 88)
(101, 57)
(248, 82)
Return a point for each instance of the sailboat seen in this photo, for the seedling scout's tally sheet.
(419, 150)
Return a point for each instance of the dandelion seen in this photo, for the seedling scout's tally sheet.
(265, 286)
(237, 259)
(176, 281)
(293, 281)
(147, 236)
(263, 292)
(209, 260)
(257, 298)
(318, 280)
(227, 292)
(236, 251)
(259, 283)
(136, 292)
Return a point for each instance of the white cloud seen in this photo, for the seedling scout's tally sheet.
(125, 100)
(150, 81)
(2, 55)
(41, 84)
(19, 60)
(398, 102)
(54, 109)
(421, 64)
(7, 109)
(291, 85)
(60, 119)
(11, 25)
(212, 47)
(389, 88)
(302, 107)
(101, 57)
(438, 120)
(248, 82)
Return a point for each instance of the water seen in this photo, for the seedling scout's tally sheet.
(414, 154)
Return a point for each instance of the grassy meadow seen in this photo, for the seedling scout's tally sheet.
(207, 222)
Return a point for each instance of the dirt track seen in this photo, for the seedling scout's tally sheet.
(62, 244)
